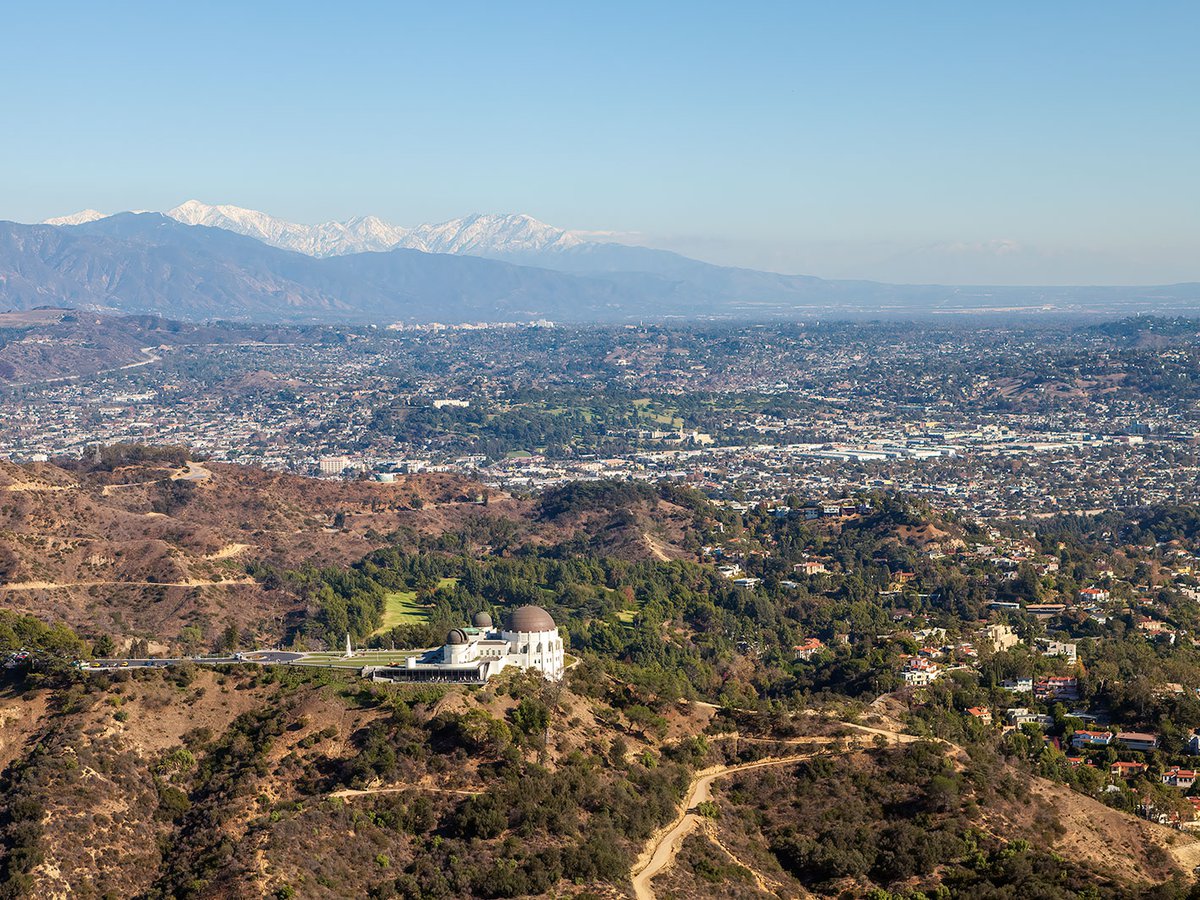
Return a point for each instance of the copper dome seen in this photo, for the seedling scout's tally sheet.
(530, 618)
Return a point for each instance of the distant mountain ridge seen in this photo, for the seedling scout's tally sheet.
(477, 269)
(474, 235)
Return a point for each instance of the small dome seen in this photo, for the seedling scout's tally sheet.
(530, 618)
(482, 620)
(456, 636)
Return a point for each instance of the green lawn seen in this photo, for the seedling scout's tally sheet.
(402, 608)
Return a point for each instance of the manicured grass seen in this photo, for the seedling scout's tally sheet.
(401, 608)
(664, 415)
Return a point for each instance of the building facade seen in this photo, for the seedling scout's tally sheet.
(529, 639)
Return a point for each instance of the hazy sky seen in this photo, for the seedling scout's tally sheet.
(957, 141)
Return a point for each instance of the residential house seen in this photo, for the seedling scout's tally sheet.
(980, 714)
(1057, 687)
(921, 672)
(1018, 685)
(1059, 648)
(808, 649)
(1126, 770)
(1001, 636)
(1019, 715)
(1180, 778)
(810, 567)
(1045, 610)
(1084, 738)
(1137, 740)
(1193, 744)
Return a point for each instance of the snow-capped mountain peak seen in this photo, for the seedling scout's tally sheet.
(474, 235)
(483, 234)
(80, 218)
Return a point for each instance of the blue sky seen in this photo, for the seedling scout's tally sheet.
(1027, 141)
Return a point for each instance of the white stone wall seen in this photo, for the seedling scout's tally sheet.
(542, 650)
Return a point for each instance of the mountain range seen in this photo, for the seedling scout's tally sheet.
(202, 262)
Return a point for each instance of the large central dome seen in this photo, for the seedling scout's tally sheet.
(530, 618)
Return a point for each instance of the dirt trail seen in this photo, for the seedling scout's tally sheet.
(349, 794)
(1186, 855)
(765, 883)
(20, 486)
(662, 849)
(50, 586)
(228, 551)
(654, 545)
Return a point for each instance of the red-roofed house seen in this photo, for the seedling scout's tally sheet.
(1084, 738)
(1126, 769)
(1180, 778)
(982, 713)
(808, 649)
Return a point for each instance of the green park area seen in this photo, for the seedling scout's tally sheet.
(403, 607)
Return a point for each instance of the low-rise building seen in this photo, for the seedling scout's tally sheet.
(1019, 715)
(1057, 687)
(1126, 769)
(1091, 739)
(1180, 778)
(807, 649)
(1137, 740)
(1002, 637)
(980, 714)
(1067, 651)
(920, 672)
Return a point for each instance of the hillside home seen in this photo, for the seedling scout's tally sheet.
(1018, 685)
(1057, 687)
(1179, 778)
(808, 649)
(1091, 739)
(1137, 740)
(1126, 770)
(1002, 637)
(1193, 744)
(980, 714)
(921, 672)
(1060, 649)
(1019, 715)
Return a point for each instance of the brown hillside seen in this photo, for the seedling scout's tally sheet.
(148, 548)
